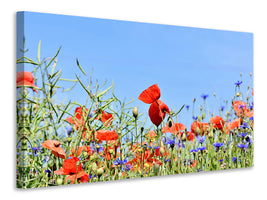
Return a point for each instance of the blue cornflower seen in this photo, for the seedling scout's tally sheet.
(222, 108)
(221, 160)
(234, 159)
(193, 150)
(69, 130)
(251, 118)
(217, 144)
(242, 135)
(47, 171)
(166, 160)
(242, 146)
(201, 139)
(187, 107)
(244, 125)
(194, 117)
(170, 142)
(120, 162)
(201, 149)
(238, 83)
(35, 151)
(127, 168)
(204, 96)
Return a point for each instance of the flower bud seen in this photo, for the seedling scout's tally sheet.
(199, 118)
(99, 172)
(237, 94)
(69, 139)
(94, 167)
(161, 150)
(170, 123)
(135, 112)
(59, 181)
(85, 154)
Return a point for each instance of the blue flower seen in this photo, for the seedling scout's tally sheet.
(170, 142)
(120, 162)
(217, 144)
(127, 168)
(47, 171)
(187, 107)
(69, 130)
(204, 96)
(166, 160)
(242, 135)
(193, 150)
(222, 108)
(238, 83)
(194, 117)
(242, 146)
(201, 139)
(221, 160)
(244, 125)
(201, 149)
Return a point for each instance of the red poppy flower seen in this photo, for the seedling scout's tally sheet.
(201, 126)
(54, 146)
(106, 135)
(174, 129)
(157, 109)
(79, 118)
(106, 118)
(150, 95)
(235, 124)
(26, 79)
(217, 122)
(75, 172)
(190, 136)
(241, 109)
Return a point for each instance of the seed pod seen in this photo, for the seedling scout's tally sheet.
(161, 150)
(99, 172)
(135, 112)
(170, 123)
(59, 181)
(94, 168)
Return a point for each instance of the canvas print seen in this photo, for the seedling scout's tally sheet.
(103, 100)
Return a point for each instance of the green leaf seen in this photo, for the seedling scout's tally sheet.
(80, 67)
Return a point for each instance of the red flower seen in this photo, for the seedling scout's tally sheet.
(106, 135)
(106, 118)
(79, 118)
(175, 129)
(241, 109)
(54, 146)
(26, 79)
(235, 124)
(151, 134)
(157, 109)
(217, 122)
(190, 136)
(75, 172)
(201, 126)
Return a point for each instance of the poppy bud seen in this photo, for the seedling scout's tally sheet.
(161, 150)
(199, 118)
(170, 123)
(194, 100)
(99, 172)
(69, 139)
(183, 137)
(94, 167)
(135, 112)
(237, 94)
(85, 154)
(203, 116)
(214, 94)
(59, 181)
(201, 108)
(142, 129)
(111, 151)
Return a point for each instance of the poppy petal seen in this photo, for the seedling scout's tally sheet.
(150, 95)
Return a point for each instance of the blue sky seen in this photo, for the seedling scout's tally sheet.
(185, 62)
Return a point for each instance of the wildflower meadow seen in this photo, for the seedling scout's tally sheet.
(105, 138)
